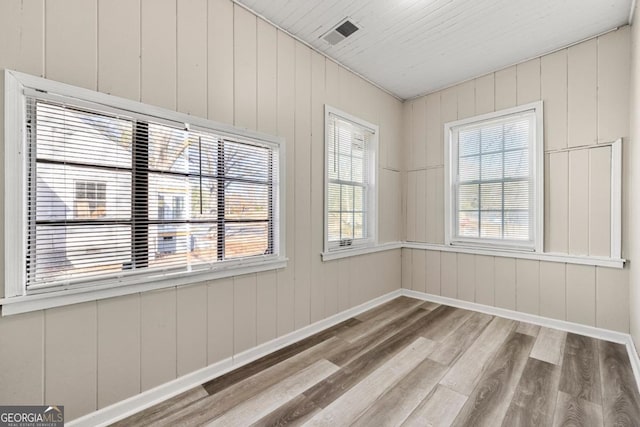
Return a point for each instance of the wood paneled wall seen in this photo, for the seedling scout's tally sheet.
(211, 59)
(585, 90)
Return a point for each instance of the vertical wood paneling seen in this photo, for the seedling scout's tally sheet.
(192, 57)
(344, 282)
(600, 201)
(267, 68)
(485, 277)
(302, 185)
(419, 271)
(418, 134)
(22, 35)
(448, 106)
(527, 288)
(407, 268)
(244, 313)
(70, 376)
(505, 87)
(421, 205)
(553, 69)
(433, 273)
(528, 81)
(317, 186)
(158, 337)
(331, 284)
(158, 53)
(119, 48)
(613, 85)
(505, 283)
(553, 290)
(582, 93)
(407, 146)
(244, 67)
(286, 128)
(118, 349)
(267, 303)
(390, 206)
(581, 294)
(412, 201)
(191, 306)
(467, 277)
(435, 206)
(485, 94)
(71, 36)
(557, 206)
(449, 274)
(22, 353)
(220, 61)
(434, 131)
(612, 301)
(466, 99)
(220, 316)
(579, 202)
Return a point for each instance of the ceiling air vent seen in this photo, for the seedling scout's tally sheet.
(343, 30)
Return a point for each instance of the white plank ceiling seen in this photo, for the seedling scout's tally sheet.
(412, 47)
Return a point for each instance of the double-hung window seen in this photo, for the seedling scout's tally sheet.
(113, 192)
(350, 181)
(494, 180)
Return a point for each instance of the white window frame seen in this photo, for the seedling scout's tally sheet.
(537, 165)
(372, 194)
(16, 297)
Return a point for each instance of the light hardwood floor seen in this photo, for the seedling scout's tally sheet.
(411, 363)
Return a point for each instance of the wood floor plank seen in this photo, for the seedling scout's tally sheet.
(270, 399)
(295, 412)
(394, 406)
(355, 401)
(620, 399)
(581, 368)
(534, 401)
(445, 323)
(380, 321)
(429, 306)
(549, 345)
(528, 329)
(490, 400)
(151, 415)
(237, 375)
(456, 343)
(575, 412)
(211, 406)
(466, 371)
(396, 304)
(438, 410)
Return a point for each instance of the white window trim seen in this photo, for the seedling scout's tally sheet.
(16, 299)
(372, 216)
(538, 167)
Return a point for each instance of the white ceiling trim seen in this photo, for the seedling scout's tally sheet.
(264, 18)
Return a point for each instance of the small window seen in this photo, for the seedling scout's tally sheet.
(495, 179)
(91, 200)
(351, 201)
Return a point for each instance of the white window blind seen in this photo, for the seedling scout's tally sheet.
(112, 193)
(350, 182)
(495, 180)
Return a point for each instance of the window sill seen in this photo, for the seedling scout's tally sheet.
(27, 303)
(346, 253)
(551, 257)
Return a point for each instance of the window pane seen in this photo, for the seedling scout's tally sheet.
(203, 243)
(516, 164)
(166, 197)
(516, 195)
(468, 142)
(468, 224)
(516, 225)
(246, 239)
(246, 161)
(333, 219)
(334, 197)
(492, 166)
(358, 196)
(346, 224)
(357, 168)
(168, 148)
(358, 224)
(491, 225)
(491, 196)
(469, 168)
(516, 135)
(347, 198)
(168, 245)
(246, 201)
(344, 164)
(68, 252)
(203, 198)
(491, 138)
(203, 154)
(468, 197)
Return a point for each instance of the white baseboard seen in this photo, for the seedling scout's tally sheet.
(137, 403)
(590, 331)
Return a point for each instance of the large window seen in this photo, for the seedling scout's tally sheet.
(112, 193)
(351, 202)
(494, 173)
